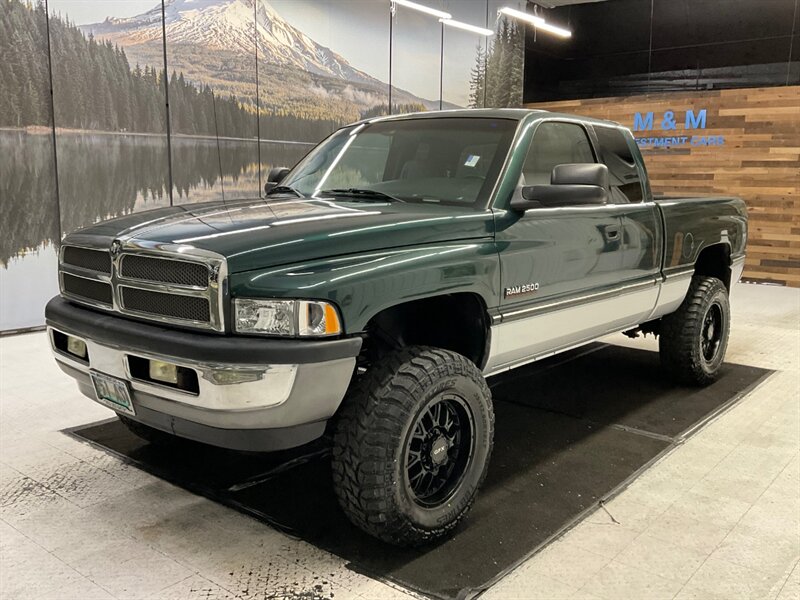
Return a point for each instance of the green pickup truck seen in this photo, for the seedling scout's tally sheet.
(377, 284)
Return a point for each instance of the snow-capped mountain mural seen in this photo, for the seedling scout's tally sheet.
(214, 41)
(229, 25)
(249, 85)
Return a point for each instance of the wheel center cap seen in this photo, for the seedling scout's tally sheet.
(710, 331)
(439, 450)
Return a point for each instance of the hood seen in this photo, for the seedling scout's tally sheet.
(254, 234)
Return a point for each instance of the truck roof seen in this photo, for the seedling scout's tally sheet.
(516, 114)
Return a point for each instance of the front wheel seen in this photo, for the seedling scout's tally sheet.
(412, 444)
(694, 338)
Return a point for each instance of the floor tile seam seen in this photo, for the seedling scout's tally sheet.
(91, 464)
(583, 587)
(335, 581)
(517, 570)
(733, 448)
(796, 565)
(288, 558)
(649, 571)
(738, 521)
(636, 537)
(59, 559)
(675, 447)
(41, 483)
(195, 573)
(193, 570)
(731, 410)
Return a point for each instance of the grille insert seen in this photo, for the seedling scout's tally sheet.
(188, 308)
(164, 270)
(97, 291)
(94, 260)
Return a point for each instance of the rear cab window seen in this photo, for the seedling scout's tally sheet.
(623, 174)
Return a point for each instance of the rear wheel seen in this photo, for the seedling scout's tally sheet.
(149, 434)
(412, 445)
(694, 338)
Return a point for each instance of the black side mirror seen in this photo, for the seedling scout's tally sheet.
(276, 175)
(574, 184)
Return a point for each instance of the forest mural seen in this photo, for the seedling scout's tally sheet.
(162, 102)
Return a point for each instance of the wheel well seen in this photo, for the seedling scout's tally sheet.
(456, 322)
(715, 261)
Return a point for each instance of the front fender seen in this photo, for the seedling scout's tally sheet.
(363, 285)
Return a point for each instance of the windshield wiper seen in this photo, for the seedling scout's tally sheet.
(362, 193)
(283, 189)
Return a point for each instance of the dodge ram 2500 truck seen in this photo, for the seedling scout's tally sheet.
(375, 287)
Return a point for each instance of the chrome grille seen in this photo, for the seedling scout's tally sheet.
(161, 270)
(90, 289)
(186, 308)
(159, 282)
(93, 260)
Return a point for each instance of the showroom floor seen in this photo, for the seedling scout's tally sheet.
(719, 517)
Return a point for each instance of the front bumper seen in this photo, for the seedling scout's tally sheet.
(253, 393)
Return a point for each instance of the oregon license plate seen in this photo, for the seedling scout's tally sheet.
(112, 392)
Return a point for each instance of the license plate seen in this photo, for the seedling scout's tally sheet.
(113, 392)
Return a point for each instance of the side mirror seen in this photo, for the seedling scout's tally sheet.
(573, 184)
(276, 175)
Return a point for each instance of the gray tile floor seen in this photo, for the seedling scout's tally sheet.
(719, 517)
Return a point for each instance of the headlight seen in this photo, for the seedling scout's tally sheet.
(305, 318)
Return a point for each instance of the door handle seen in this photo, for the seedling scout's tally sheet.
(611, 233)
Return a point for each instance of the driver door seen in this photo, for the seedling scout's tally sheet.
(554, 260)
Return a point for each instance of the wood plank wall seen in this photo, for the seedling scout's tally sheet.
(759, 161)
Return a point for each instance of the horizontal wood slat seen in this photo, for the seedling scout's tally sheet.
(759, 161)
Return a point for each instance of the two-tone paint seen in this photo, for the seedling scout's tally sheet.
(580, 272)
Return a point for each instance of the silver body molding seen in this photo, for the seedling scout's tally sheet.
(523, 336)
(266, 397)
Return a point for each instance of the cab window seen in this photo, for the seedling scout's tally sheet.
(554, 144)
(623, 174)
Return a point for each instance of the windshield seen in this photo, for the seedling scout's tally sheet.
(449, 160)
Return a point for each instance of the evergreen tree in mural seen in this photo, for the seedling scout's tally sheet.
(96, 89)
(496, 78)
(477, 82)
(24, 97)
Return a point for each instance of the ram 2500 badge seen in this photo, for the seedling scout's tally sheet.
(378, 283)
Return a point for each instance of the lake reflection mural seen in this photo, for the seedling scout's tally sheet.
(251, 84)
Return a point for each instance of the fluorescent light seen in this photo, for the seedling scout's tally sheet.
(559, 31)
(422, 8)
(467, 27)
(522, 16)
(537, 22)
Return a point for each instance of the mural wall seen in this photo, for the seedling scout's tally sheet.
(158, 103)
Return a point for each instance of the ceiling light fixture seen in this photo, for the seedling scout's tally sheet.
(467, 27)
(522, 16)
(536, 21)
(424, 9)
(559, 31)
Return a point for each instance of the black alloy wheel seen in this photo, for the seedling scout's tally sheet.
(412, 444)
(439, 449)
(712, 332)
(693, 339)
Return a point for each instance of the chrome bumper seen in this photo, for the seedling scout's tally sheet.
(232, 395)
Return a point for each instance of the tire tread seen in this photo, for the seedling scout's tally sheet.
(368, 431)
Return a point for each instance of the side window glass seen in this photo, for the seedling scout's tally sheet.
(623, 175)
(554, 144)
